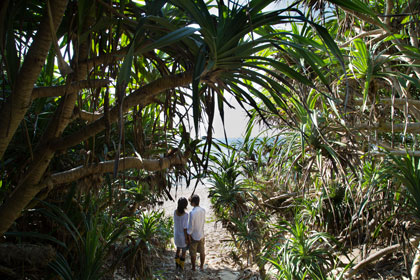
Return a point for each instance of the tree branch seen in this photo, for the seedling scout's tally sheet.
(76, 173)
(376, 256)
(14, 109)
(388, 10)
(86, 116)
(53, 91)
(143, 96)
(363, 17)
(387, 127)
(363, 35)
(399, 103)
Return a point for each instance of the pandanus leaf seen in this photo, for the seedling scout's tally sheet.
(198, 70)
(170, 38)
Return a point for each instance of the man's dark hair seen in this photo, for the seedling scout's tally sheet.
(195, 199)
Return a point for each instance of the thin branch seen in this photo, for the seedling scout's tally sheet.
(376, 256)
(363, 35)
(397, 153)
(86, 116)
(387, 127)
(399, 103)
(388, 10)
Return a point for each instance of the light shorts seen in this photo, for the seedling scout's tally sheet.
(197, 246)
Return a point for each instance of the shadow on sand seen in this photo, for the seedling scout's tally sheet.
(164, 268)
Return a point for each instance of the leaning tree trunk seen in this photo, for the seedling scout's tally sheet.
(31, 183)
(17, 104)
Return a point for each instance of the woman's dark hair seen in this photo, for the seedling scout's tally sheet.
(182, 205)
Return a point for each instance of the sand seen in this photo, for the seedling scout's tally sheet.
(218, 265)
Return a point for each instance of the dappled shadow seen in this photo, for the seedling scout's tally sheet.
(164, 268)
(219, 265)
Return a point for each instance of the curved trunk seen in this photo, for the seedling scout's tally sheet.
(29, 186)
(14, 109)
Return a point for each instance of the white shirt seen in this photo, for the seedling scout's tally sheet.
(180, 223)
(196, 223)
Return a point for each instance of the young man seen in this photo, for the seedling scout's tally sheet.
(195, 231)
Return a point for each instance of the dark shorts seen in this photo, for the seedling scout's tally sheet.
(197, 246)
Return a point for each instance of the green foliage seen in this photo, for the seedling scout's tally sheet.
(93, 243)
(153, 228)
(407, 172)
(302, 253)
(150, 233)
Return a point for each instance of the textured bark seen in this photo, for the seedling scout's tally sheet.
(399, 103)
(28, 186)
(86, 116)
(389, 127)
(143, 96)
(14, 109)
(124, 164)
(12, 207)
(54, 91)
(376, 256)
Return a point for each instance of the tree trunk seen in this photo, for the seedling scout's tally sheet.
(143, 96)
(29, 186)
(14, 109)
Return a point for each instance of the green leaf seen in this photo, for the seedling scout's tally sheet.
(170, 38)
(414, 81)
(332, 46)
(125, 71)
(357, 6)
(61, 267)
(198, 70)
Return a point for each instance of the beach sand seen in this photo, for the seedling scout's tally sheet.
(218, 265)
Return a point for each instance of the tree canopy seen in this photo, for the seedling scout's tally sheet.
(110, 86)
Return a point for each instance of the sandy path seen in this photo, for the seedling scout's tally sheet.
(218, 265)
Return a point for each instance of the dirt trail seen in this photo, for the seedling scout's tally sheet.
(217, 265)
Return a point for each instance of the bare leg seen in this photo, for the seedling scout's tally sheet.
(193, 262)
(202, 259)
(182, 259)
(177, 258)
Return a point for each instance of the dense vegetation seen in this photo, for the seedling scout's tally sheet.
(96, 103)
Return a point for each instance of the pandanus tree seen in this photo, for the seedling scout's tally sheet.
(126, 76)
(342, 130)
(370, 105)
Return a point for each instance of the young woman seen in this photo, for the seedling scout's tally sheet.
(180, 232)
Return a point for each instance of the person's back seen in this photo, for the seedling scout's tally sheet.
(197, 220)
(180, 232)
(195, 231)
(180, 223)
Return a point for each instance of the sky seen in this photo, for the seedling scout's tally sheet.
(236, 119)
